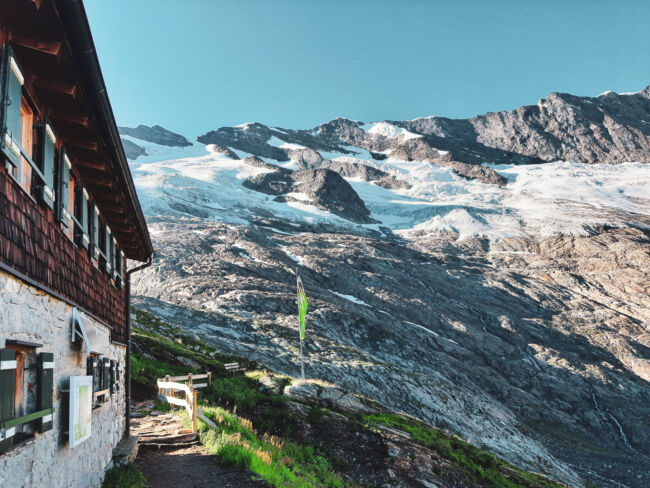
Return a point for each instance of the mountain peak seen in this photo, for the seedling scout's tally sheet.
(156, 134)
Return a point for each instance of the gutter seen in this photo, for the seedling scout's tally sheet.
(127, 368)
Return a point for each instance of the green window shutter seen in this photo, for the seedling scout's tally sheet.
(112, 376)
(117, 375)
(63, 189)
(108, 243)
(106, 376)
(48, 140)
(94, 231)
(12, 89)
(91, 366)
(82, 205)
(114, 258)
(7, 388)
(45, 388)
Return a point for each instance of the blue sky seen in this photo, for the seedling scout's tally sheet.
(196, 65)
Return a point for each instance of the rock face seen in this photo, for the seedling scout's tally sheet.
(251, 138)
(132, 150)
(321, 187)
(156, 134)
(513, 316)
(223, 150)
(533, 349)
(609, 128)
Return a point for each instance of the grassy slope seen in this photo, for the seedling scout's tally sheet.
(265, 448)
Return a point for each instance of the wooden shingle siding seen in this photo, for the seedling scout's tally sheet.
(33, 243)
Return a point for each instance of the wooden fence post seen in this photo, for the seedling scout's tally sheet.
(189, 376)
(209, 379)
(167, 380)
(195, 406)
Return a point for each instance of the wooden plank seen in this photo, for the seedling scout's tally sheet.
(107, 391)
(202, 416)
(178, 378)
(199, 385)
(26, 418)
(183, 378)
(58, 86)
(70, 118)
(83, 144)
(48, 47)
(177, 401)
(169, 385)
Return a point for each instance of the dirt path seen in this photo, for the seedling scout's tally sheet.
(191, 467)
(185, 464)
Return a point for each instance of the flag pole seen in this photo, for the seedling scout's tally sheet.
(302, 366)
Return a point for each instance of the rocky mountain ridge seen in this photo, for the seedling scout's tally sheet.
(510, 308)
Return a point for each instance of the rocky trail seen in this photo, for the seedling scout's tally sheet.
(170, 458)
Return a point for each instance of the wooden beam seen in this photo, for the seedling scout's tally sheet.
(113, 219)
(108, 197)
(116, 211)
(84, 163)
(59, 86)
(98, 180)
(71, 118)
(83, 144)
(48, 47)
(126, 238)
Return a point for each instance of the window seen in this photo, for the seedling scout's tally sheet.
(47, 141)
(82, 237)
(26, 392)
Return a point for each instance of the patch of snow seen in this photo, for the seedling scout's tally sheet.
(350, 298)
(384, 129)
(303, 197)
(297, 259)
(290, 145)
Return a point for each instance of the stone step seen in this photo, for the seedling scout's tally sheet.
(151, 446)
(126, 451)
(168, 439)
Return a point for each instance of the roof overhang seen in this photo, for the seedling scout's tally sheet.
(54, 45)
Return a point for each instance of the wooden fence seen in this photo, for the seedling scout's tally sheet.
(169, 386)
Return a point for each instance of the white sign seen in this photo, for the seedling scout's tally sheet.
(81, 406)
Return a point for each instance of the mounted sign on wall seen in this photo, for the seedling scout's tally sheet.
(81, 405)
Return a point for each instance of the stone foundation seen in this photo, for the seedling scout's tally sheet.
(29, 314)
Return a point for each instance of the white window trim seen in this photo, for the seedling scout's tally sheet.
(16, 70)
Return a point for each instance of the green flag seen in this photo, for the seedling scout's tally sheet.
(302, 308)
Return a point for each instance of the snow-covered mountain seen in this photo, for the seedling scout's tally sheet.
(506, 302)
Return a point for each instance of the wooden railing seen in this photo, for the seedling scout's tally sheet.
(169, 386)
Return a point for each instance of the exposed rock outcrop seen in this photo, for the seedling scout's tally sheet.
(320, 187)
(157, 135)
(132, 150)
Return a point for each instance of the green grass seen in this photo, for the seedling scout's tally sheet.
(238, 392)
(280, 463)
(480, 465)
(127, 476)
(231, 398)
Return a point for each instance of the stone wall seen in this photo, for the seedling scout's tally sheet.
(29, 314)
